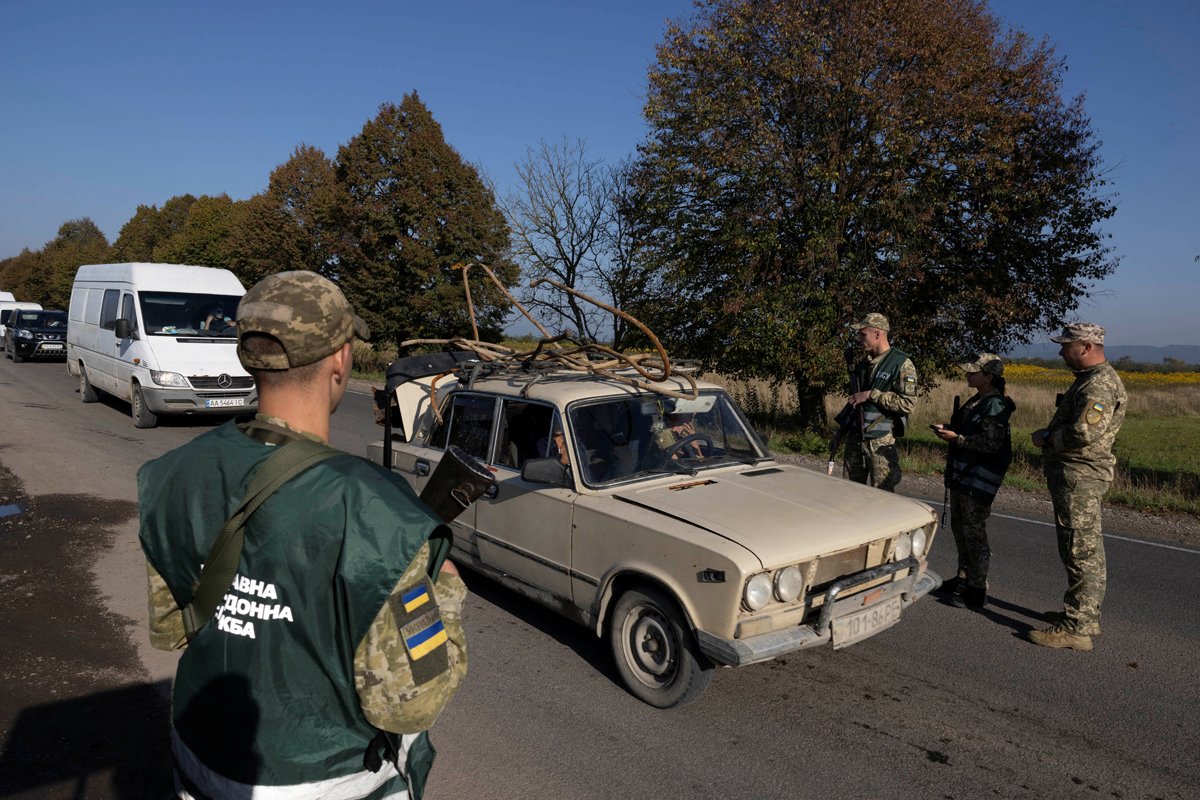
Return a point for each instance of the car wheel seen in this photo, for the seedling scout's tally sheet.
(7, 351)
(16, 357)
(143, 417)
(87, 393)
(655, 651)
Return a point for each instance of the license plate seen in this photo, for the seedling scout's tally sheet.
(858, 626)
(225, 402)
(52, 347)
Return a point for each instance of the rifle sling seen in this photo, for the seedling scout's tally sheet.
(288, 461)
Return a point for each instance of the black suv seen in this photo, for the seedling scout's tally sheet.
(36, 334)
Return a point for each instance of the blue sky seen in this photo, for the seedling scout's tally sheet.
(106, 106)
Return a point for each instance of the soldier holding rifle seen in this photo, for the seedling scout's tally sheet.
(883, 393)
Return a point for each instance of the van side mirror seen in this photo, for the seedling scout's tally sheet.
(544, 470)
(124, 330)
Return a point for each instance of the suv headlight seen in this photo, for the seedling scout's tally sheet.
(168, 379)
(918, 542)
(789, 582)
(23, 334)
(904, 546)
(758, 591)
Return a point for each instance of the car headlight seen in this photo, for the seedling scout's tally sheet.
(789, 582)
(758, 591)
(904, 546)
(23, 334)
(918, 542)
(168, 379)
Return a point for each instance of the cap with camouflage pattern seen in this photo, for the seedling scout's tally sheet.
(987, 362)
(304, 312)
(877, 321)
(1080, 332)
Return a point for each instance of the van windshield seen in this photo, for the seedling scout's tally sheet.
(189, 314)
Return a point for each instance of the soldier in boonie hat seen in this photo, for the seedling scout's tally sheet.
(987, 362)
(1080, 332)
(876, 321)
(307, 314)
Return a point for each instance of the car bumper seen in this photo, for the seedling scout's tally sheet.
(766, 646)
(189, 401)
(38, 350)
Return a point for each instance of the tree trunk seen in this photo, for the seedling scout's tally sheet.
(810, 401)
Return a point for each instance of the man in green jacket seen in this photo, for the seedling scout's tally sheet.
(887, 383)
(339, 639)
(1079, 463)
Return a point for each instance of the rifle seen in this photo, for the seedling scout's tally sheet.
(946, 479)
(848, 416)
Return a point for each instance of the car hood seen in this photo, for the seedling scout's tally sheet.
(782, 513)
(61, 332)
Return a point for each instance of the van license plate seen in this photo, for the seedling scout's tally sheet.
(225, 402)
(858, 626)
(52, 347)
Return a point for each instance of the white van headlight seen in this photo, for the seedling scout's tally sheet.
(168, 379)
(904, 546)
(757, 592)
(918, 542)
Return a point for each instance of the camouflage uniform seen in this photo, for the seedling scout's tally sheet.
(896, 399)
(1079, 466)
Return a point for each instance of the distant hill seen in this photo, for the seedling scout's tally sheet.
(1144, 354)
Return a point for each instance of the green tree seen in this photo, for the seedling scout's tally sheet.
(411, 210)
(203, 238)
(79, 242)
(149, 227)
(22, 275)
(812, 160)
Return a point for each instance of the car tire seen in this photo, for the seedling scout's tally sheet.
(7, 352)
(143, 417)
(87, 392)
(655, 651)
(16, 357)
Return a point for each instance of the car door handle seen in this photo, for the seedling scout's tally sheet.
(422, 467)
(491, 492)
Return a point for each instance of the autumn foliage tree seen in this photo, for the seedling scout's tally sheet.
(812, 160)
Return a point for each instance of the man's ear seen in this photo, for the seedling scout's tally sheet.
(342, 364)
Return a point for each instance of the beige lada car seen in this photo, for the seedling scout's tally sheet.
(662, 523)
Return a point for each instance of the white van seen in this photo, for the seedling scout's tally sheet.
(7, 307)
(159, 336)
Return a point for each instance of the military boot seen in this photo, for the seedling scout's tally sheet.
(1057, 637)
(975, 597)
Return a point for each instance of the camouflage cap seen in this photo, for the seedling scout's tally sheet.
(878, 321)
(1080, 332)
(304, 312)
(987, 362)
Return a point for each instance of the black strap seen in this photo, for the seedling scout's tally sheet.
(221, 565)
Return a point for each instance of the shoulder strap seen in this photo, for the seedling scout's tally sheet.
(221, 565)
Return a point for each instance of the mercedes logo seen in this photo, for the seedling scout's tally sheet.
(224, 381)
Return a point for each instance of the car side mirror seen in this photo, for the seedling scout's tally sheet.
(544, 470)
(124, 330)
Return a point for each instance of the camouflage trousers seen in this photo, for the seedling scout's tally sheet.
(883, 463)
(968, 522)
(1081, 547)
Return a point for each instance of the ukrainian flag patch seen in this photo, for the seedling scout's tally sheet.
(425, 635)
(415, 598)
(1095, 414)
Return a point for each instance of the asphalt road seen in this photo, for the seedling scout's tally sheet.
(946, 704)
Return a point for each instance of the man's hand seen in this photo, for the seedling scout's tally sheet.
(448, 568)
(945, 434)
(858, 398)
(1040, 438)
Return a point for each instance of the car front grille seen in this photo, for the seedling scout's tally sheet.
(209, 382)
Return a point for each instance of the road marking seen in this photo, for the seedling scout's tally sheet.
(1106, 536)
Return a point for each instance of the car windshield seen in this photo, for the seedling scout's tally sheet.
(628, 438)
(42, 319)
(189, 314)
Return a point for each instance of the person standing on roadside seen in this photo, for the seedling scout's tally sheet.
(980, 451)
(1079, 462)
(887, 382)
(339, 640)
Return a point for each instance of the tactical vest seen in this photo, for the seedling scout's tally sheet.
(264, 694)
(979, 474)
(877, 422)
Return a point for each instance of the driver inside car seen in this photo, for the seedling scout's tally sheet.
(676, 428)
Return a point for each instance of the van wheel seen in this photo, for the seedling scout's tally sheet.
(655, 651)
(143, 417)
(86, 392)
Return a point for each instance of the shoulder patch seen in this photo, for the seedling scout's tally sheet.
(909, 386)
(419, 621)
(1095, 414)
